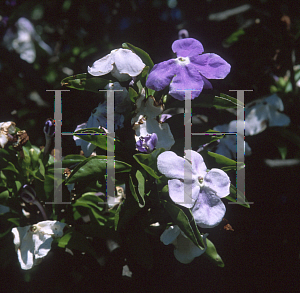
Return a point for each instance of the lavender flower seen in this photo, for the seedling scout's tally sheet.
(189, 71)
(207, 188)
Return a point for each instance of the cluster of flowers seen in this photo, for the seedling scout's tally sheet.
(190, 183)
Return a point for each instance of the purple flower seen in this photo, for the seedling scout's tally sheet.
(189, 71)
(147, 144)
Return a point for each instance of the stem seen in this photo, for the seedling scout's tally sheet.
(38, 204)
(47, 147)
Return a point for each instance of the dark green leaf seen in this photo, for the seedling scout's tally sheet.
(94, 167)
(149, 162)
(208, 101)
(75, 240)
(180, 218)
(237, 196)
(95, 136)
(141, 53)
(234, 37)
(213, 255)
(133, 95)
(85, 82)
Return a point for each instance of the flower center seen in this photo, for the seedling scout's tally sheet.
(200, 179)
(183, 61)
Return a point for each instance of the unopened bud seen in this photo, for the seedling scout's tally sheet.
(28, 194)
(49, 128)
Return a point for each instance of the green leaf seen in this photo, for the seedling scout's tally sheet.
(141, 53)
(141, 183)
(133, 95)
(4, 195)
(126, 211)
(139, 197)
(180, 218)
(7, 222)
(93, 167)
(237, 196)
(234, 37)
(149, 162)
(8, 166)
(34, 158)
(208, 101)
(214, 160)
(94, 207)
(85, 82)
(75, 240)
(213, 255)
(225, 101)
(70, 160)
(96, 136)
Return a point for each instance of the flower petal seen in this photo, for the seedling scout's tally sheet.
(151, 141)
(187, 47)
(211, 65)
(187, 78)
(102, 66)
(161, 75)
(54, 228)
(183, 194)
(119, 76)
(128, 62)
(171, 165)
(198, 165)
(208, 210)
(170, 234)
(207, 85)
(278, 119)
(186, 250)
(218, 181)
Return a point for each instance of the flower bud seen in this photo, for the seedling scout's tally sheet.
(49, 128)
(28, 193)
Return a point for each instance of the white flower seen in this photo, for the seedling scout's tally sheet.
(185, 250)
(201, 191)
(23, 40)
(98, 116)
(145, 122)
(260, 114)
(6, 128)
(122, 63)
(32, 243)
(228, 144)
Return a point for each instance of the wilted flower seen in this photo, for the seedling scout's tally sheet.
(33, 242)
(22, 41)
(185, 250)
(189, 71)
(6, 129)
(145, 123)
(123, 64)
(147, 144)
(207, 188)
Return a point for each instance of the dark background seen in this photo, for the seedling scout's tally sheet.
(262, 254)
